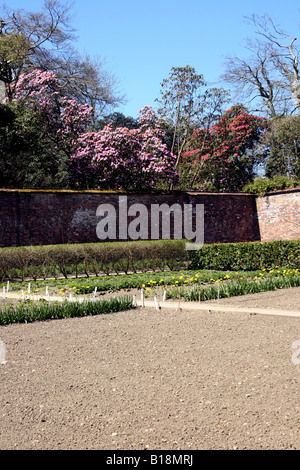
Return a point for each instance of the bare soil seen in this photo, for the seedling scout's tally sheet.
(148, 379)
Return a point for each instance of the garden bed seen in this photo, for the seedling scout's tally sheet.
(147, 379)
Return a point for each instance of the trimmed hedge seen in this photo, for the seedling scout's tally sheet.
(247, 256)
(90, 259)
(96, 259)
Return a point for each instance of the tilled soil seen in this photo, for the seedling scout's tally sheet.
(147, 379)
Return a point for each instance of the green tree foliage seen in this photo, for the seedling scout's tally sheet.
(279, 148)
(115, 120)
(263, 185)
(28, 158)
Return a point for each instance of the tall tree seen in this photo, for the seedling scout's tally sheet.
(269, 79)
(39, 130)
(186, 103)
(279, 148)
(44, 40)
(28, 156)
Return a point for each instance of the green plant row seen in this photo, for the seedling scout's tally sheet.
(91, 259)
(125, 281)
(235, 288)
(30, 312)
(247, 256)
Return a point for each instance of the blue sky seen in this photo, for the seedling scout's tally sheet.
(141, 40)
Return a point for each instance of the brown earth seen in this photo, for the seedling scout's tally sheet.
(147, 379)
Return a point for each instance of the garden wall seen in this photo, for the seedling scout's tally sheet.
(52, 217)
(33, 217)
(279, 215)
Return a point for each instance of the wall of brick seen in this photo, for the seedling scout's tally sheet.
(52, 217)
(279, 215)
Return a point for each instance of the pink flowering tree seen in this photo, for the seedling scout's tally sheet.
(118, 158)
(122, 158)
(64, 119)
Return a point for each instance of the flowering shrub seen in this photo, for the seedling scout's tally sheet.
(216, 158)
(118, 158)
(124, 158)
(64, 119)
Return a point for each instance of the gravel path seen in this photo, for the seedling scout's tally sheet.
(147, 379)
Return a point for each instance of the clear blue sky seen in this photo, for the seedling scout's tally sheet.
(141, 40)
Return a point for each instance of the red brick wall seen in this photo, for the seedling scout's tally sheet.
(279, 215)
(51, 217)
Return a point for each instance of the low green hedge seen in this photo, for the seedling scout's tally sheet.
(96, 259)
(90, 259)
(247, 256)
(261, 186)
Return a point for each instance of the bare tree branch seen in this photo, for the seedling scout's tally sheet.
(272, 70)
